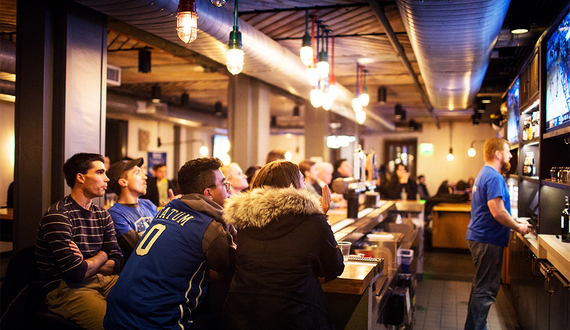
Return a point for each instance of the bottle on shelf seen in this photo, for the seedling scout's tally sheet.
(565, 222)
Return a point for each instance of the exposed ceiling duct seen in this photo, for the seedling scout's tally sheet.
(265, 59)
(452, 41)
(7, 56)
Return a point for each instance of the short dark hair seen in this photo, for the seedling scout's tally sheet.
(278, 174)
(275, 154)
(157, 166)
(338, 163)
(198, 174)
(306, 165)
(79, 163)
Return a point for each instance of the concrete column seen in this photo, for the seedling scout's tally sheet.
(60, 102)
(248, 120)
(316, 132)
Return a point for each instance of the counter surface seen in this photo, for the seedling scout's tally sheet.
(556, 252)
(530, 241)
(354, 279)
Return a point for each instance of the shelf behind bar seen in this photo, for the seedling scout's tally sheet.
(533, 179)
(554, 184)
(556, 133)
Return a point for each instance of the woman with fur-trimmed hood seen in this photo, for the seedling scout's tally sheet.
(285, 244)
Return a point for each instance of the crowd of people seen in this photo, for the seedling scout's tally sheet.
(260, 237)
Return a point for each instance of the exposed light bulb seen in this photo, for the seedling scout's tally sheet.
(471, 152)
(313, 75)
(203, 150)
(360, 116)
(316, 97)
(218, 3)
(234, 61)
(333, 90)
(187, 21)
(364, 99)
(288, 155)
(450, 157)
(306, 53)
(328, 100)
(356, 104)
(323, 68)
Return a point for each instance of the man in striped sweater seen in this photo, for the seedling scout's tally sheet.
(76, 251)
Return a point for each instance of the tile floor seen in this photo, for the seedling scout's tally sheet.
(442, 296)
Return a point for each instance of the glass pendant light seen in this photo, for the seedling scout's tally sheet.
(187, 21)
(328, 99)
(360, 116)
(316, 97)
(323, 64)
(306, 52)
(218, 3)
(313, 75)
(235, 57)
(364, 97)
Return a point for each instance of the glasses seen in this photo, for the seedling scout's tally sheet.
(226, 185)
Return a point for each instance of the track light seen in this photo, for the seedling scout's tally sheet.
(296, 111)
(398, 111)
(218, 112)
(155, 94)
(144, 60)
(187, 21)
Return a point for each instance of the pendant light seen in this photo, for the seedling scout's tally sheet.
(323, 64)
(328, 98)
(364, 98)
(218, 3)
(187, 21)
(333, 90)
(312, 72)
(356, 102)
(234, 59)
(316, 96)
(306, 52)
(360, 116)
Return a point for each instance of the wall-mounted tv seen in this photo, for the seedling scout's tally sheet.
(513, 113)
(558, 76)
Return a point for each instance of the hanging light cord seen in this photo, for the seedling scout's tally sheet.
(236, 16)
(357, 74)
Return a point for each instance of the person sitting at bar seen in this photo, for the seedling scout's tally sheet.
(342, 169)
(76, 250)
(251, 172)
(168, 275)
(422, 188)
(235, 176)
(309, 170)
(131, 214)
(285, 242)
(159, 189)
(275, 154)
(400, 185)
(324, 178)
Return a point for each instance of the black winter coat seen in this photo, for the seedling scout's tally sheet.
(284, 244)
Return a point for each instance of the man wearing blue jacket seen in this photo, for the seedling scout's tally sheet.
(167, 276)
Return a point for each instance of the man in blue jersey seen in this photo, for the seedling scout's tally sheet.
(167, 275)
(76, 250)
(488, 231)
(131, 214)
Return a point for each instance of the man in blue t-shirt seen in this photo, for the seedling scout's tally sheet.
(131, 214)
(488, 231)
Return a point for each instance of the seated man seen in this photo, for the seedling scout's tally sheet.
(324, 177)
(167, 276)
(77, 253)
(131, 214)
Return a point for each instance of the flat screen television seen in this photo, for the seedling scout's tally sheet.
(558, 76)
(513, 113)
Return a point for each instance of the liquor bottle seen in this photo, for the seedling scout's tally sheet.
(565, 222)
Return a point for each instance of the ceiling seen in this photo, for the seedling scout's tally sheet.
(360, 37)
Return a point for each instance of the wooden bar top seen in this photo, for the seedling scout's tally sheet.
(453, 207)
(556, 252)
(530, 241)
(355, 278)
(7, 214)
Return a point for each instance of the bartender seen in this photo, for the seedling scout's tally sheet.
(401, 186)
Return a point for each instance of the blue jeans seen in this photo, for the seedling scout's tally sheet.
(488, 260)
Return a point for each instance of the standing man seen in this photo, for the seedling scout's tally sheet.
(77, 253)
(488, 231)
(159, 188)
(167, 276)
(131, 214)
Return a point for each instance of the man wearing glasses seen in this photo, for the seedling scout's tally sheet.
(167, 276)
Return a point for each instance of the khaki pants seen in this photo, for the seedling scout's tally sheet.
(84, 303)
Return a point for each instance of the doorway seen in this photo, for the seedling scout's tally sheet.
(401, 152)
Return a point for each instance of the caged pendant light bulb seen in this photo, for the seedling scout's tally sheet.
(235, 57)
(187, 21)
(306, 52)
(364, 97)
(218, 3)
(323, 65)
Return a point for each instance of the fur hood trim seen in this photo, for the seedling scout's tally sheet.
(261, 206)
